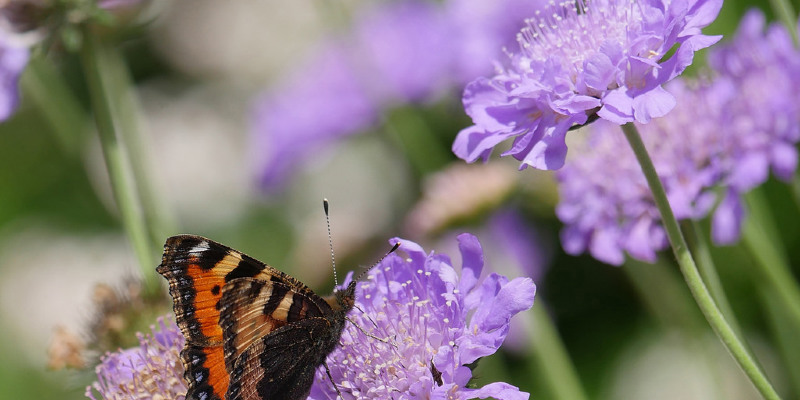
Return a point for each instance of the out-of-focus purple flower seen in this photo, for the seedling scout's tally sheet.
(322, 103)
(763, 69)
(151, 371)
(580, 59)
(428, 315)
(719, 142)
(482, 30)
(404, 50)
(13, 59)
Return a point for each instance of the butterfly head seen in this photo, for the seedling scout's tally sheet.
(346, 298)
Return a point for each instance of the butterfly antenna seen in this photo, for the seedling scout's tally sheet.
(330, 241)
(392, 250)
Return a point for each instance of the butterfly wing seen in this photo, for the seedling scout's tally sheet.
(198, 270)
(252, 309)
(281, 366)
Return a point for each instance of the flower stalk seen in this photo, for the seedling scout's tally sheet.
(690, 273)
(708, 271)
(119, 169)
(126, 110)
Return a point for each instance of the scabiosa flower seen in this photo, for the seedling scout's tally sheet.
(421, 315)
(151, 371)
(324, 102)
(579, 60)
(754, 96)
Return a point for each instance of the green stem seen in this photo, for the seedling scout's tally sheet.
(784, 11)
(126, 111)
(690, 273)
(116, 164)
(709, 272)
(552, 359)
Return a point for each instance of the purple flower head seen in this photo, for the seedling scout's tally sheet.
(580, 59)
(754, 96)
(151, 371)
(322, 103)
(13, 59)
(424, 314)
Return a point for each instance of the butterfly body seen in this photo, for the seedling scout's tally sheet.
(252, 332)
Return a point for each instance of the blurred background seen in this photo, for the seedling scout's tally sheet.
(216, 85)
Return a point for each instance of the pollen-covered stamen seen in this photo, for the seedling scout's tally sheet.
(572, 31)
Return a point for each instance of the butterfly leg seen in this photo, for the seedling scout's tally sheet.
(328, 371)
(384, 340)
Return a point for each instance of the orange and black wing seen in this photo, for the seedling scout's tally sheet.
(198, 270)
(281, 366)
(252, 309)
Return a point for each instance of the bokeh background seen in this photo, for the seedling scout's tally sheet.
(200, 69)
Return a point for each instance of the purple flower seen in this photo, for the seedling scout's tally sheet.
(577, 60)
(403, 49)
(482, 30)
(13, 59)
(719, 142)
(396, 52)
(423, 314)
(322, 103)
(151, 371)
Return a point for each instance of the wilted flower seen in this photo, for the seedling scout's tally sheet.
(153, 370)
(422, 318)
(579, 60)
(458, 193)
(720, 141)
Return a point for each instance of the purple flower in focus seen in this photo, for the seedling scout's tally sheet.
(151, 371)
(322, 103)
(720, 141)
(580, 59)
(13, 59)
(427, 313)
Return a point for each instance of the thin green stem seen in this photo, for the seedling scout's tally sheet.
(784, 11)
(552, 358)
(125, 110)
(690, 273)
(118, 168)
(708, 271)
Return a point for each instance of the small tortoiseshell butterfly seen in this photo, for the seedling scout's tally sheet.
(252, 332)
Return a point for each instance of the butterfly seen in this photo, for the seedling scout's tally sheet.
(252, 332)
